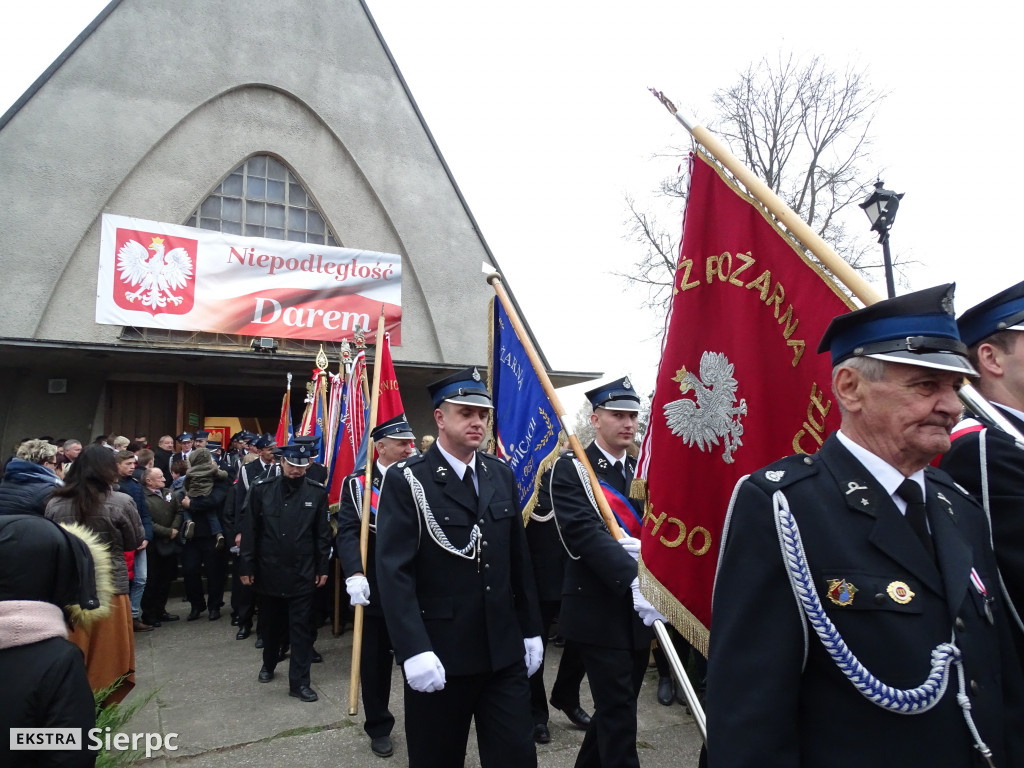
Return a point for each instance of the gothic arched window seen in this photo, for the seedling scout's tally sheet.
(263, 198)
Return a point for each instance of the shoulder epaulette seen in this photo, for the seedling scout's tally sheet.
(493, 457)
(785, 472)
(409, 462)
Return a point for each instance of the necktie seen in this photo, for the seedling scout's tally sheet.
(916, 513)
(467, 480)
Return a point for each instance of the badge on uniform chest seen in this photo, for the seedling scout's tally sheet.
(841, 591)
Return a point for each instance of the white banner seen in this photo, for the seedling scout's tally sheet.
(156, 275)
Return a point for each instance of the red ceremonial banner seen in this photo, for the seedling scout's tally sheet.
(739, 386)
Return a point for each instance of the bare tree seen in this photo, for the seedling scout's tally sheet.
(805, 130)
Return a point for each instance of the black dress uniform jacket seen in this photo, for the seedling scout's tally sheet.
(286, 539)
(472, 613)
(774, 696)
(350, 512)
(597, 602)
(1005, 476)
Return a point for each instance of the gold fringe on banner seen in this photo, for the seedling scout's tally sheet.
(638, 489)
(546, 463)
(678, 616)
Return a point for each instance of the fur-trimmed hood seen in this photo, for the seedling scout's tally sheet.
(64, 565)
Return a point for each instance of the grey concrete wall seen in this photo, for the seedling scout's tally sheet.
(29, 411)
(168, 96)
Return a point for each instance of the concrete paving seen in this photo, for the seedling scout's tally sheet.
(207, 693)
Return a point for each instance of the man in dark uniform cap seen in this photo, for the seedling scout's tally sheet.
(603, 612)
(200, 438)
(854, 640)
(185, 441)
(286, 544)
(317, 469)
(985, 459)
(393, 441)
(457, 589)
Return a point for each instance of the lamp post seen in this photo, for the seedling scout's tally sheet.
(881, 207)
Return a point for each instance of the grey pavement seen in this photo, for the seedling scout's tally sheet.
(207, 693)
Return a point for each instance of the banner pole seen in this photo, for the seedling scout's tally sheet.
(494, 280)
(364, 523)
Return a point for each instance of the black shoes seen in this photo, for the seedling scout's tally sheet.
(243, 632)
(265, 675)
(541, 734)
(304, 693)
(317, 658)
(234, 619)
(214, 614)
(259, 641)
(576, 714)
(168, 617)
(219, 545)
(190, 530)
(194, 614)
(381, 746)
(666, 691)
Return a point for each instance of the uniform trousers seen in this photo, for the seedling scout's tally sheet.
(198, 556)
(289, 620)
(437, 724)
(565, 693)
(376, 662)
(243, 599)
(615, 676)
(162, 571)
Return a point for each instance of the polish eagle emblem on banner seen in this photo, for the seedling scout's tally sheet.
(712, 414)
(158, 278)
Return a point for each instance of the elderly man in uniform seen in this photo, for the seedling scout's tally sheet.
(285, 547)
(603, 612)
(857, 619)
(457, 589)
(393, 441)
(984, 459)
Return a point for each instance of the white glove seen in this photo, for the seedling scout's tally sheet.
(534, 654)
(424, 672)
(631, 545)
(648, 614)
(358, 590)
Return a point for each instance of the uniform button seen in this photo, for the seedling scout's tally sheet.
(486, 566)
(975, 688)
(487, 589)
(880, 598)
(960, 626)
(447, 519)
(485, 543)
(481, 521)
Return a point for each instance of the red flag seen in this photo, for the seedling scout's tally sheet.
(351, 448)
(354, 427)
(389, 399)
(284, 424)
(739, 386)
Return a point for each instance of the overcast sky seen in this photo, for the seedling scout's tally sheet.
(542, 112)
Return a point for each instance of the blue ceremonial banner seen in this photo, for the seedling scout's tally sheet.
(525, 425)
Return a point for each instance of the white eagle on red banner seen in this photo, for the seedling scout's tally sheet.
(712, 415)
(156, 276)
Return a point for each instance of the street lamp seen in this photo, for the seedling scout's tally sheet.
(881, 207)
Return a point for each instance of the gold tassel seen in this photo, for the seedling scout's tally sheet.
(638, 489)
(677, 614)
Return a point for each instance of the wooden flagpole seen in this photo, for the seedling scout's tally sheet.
(494, 279)
(364, 523)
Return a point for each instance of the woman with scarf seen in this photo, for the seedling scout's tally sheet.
(50, 577)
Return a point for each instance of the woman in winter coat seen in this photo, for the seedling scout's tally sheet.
(50, 577)
(29, 479)
(87, 499)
